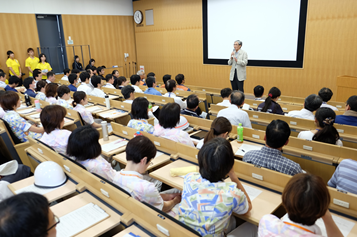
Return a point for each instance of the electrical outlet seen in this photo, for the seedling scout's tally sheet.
(341, 203)
(257, 176)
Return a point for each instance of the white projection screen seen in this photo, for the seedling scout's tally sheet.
(272, 31)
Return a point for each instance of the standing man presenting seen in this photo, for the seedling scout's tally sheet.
(238, 61)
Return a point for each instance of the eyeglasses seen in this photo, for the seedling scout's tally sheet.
(57, 220)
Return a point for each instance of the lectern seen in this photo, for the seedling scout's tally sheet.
(346, 87)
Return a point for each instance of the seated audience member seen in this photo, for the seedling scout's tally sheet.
(270, 157)
(66, 73)
(64, 95)
(135, 82)
(165, 78)
(79, 101)
(128, 94)
(151, 83)
(10, 101)
(233, 113)
(76, 71)
(90, 72)
(101, 72)
(76, 64)
(51, 93)
(14, 81)
(116, 75)
(305, 199)
(37, 76)
(140, 151)
(52, 119)
(41, 89)
(2, 80)
(121, 82)
(192, 105)
(258, 93)
(73, 79)
(142, 77)
(84, 146)
(97, 83)
(85, 86)
(350, 115)
(2, 112)
(220, 127)
(90, 64)
(27, 214)
(326, 94)
(151, 74)
(226, 96)
(207, 189)
(168, 119)
(325, 131)
(312, 103)
(30, 85)
(344, 178)
(94, 70)
(139, 112)
(180, 79)
(109, 78)
(50, 77)
(270, 105)
(171, 88)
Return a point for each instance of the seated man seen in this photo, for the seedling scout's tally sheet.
(258, 93)
(30, 85)
(128, 93)
(326, 94)
(192, 105)
(97, 83)
(270, 157)
(344, 178)
(14, 81)
(2, 80)
(226, 96)
(142, 77)
(85, 86)
(37, 76)
(312, 103)
(151, 83)
(109, 78)
(180, 79)
(135, 82)
(165, 78)
(233, 113)
(66, 73)
(50, 77)
(350, 115)
(72, 78)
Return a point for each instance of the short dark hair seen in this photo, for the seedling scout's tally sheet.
(62, 90)
(27, 82)
(30, 49)
(9, 100)
(93, 68)
(108, 77)
(50, 74)
(215, 159)
(150, 81)
(66, 71)
(120, 81)
(52, 116)
(96, 80)
(134, 79)
(83, 143)
(226, 92)
(84, 76)
(325, 94)
(99, 69)
(14, 80)
(2, 74)
(25, 214)
(75, 70)
(78, 96)
(192, 101)
(72, 77)
(258, 91)
(169, 115)
(91, 60)
(9, 52)
(312, 102)
(150, 74)
(40, 84)
(179, 78)
(114, 71)
(352, 102)
(237, 98)
(305, 198)
(36, 73)
(165, 78)
(139, 108)
(170, 85)
(138, 148)
(277, 133)
(127, 90)
(51, 90)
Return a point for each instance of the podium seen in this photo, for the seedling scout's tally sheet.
(346, 87)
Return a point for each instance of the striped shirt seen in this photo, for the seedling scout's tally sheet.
(345, 178)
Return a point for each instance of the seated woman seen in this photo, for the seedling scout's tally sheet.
(52, 119)
(139, 111)
(83, 145)
(51, 93)
(79, 101)
(170, 86)
(207, 201)
(121, 82)
(168, 118)
(306, 199)
(40, 89)
(325, 131)
(64, 94)
(20, 127)
(270, 105)
(220, 127)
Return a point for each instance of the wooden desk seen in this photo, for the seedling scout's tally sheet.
(133, 229)
(112, 138)
(61, 192)
(157, 161)
(81, 200)
(236, 145)
(112, 113)
(101, 108)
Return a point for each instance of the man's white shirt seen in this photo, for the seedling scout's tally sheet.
(304, 114)
(235, 116)
(97, 92)
(85, 87)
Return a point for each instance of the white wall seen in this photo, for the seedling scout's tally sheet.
(72, 7)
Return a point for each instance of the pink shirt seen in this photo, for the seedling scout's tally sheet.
(100, 167)
(173, 134)
(57, 139)
(86, 115)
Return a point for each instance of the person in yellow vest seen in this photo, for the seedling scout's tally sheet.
(44, 66)
(31, 62)
(13, 64)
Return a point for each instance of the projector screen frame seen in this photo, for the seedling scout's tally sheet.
(298, 63)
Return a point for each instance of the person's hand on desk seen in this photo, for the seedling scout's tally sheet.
(35, 129)
(235, 179)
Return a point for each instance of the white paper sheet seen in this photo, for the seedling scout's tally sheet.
(158, 153)
(87, 105)
(94, 108)
(35, 116)
(252, 192)
(244, 148)
(155, 108)
(33, 188)
(114, 145)
(80, 220)
(110, 114)
(26, 111)
(22, 106)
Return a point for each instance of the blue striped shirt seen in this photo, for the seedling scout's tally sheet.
(345, 177)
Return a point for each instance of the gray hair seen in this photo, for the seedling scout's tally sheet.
(239, 42)
(140, 73)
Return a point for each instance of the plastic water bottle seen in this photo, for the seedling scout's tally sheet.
(37, 105)
(105, 131)
(150, 105)
(107, 101)
(138, 133)
(240, 133)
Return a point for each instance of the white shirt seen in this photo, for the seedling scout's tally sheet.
(225, 103)
(128, 101)
(308, 135)
(65, 77)
(108, 85)
(48, 81)
(84, 87)
(2, 84)
(178, 100)
(2, 112)
(235, 116)
(200, 144)
(97, 92)
(137, 89)
(304, 114)
(259, 99)
(324, 104)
